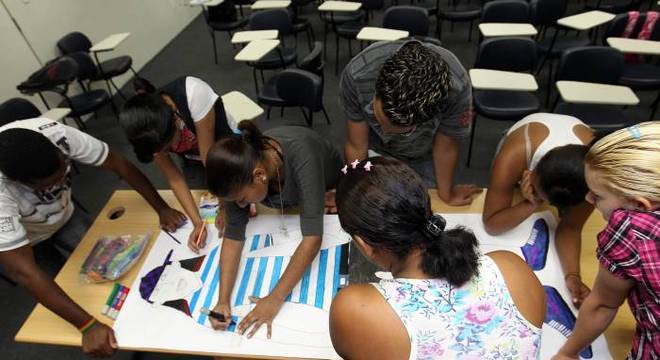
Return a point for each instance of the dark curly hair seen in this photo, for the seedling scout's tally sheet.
(389, 208)
(561, 176)
(412, 84)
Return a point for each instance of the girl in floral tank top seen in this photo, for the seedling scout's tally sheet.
(444, 300)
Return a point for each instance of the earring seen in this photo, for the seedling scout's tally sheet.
(263, 179)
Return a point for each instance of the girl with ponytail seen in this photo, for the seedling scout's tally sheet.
(184, 117)
(281, 167)
(442, 289)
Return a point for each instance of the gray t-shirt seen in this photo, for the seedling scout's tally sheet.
(357, 88)
(311, 167)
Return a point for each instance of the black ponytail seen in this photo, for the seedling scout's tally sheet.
(230, 161)
(389, 207)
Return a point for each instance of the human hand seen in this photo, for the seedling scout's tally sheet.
(171, 219)
(462, 194)
(194, 235)
(579, 291)
(527, 189)
(99, 341)
(330, 204)
(225, 310)
(559, 356)
(263, 313)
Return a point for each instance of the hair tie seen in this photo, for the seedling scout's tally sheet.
(367, 166)
(435, 225)
(634, 131)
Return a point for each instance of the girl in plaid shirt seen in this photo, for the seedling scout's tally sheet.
(623, 174)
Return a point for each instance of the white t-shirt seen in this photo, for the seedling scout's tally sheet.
(201, 99)
(28, 216)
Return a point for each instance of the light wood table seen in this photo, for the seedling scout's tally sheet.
(44, 327)
(486, 79)
(507, 29)
(635, 46)
(110, 42)
(247, 36)
(270, 4)
(56, 114)
(586, 20)
(578, 92)
(340, 6)
(256, 49)
(369, 33)
(240, 107)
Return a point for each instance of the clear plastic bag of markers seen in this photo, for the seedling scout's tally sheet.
(112, 256)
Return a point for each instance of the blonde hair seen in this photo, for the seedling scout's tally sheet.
(628, 160)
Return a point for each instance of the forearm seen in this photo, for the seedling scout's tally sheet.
(185, 198)
(50, 295)
(230, 257)
(508, 218)
(445, 158)
(568, 244)
(301, 259)
(592, 321)
(352, 152)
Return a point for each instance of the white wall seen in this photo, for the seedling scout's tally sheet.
(152, 24)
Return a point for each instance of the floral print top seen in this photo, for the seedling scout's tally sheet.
(475, 321)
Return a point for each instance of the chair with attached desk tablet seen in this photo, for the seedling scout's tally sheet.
(413, 19)
(586, 80)
(349, 30)
(224, 18)
(282, 56)
(333, 15)
(108, 69)
(510, 16)
(503, 101)
(458, 13)
(639, 73)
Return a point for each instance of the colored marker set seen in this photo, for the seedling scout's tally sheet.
(115, 301)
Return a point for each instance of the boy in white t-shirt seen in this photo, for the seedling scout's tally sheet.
(35, 205)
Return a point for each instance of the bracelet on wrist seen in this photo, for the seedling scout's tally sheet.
(577, 275)
(87, 325)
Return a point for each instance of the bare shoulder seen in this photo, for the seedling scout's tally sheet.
(523, 285)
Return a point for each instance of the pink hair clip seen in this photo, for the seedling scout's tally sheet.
(355, 163)
(368, 166)
(345, 169)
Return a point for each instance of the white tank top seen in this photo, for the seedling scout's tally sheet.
(560, 133)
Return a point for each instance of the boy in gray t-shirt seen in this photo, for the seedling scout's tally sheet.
(412, 101)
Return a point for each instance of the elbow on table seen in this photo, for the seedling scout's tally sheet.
(492, 229)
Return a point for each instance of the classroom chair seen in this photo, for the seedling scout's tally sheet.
(56, 76)
(413, 19)
(312, 63)
(222, 18)
(108, 69)
(349, 30)
(544, 15)
(332, 19)
(303, 89)
(506, 54)
(505, 11)
(458, 13)
(301, 24)
(614, 6)
(638, 74)
(595, 64)
(282, 56)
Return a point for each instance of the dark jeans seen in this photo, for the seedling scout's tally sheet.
(68, 236)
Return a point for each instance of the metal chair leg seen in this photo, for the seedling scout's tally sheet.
(8, 279)
(472, 131)
(325, 113)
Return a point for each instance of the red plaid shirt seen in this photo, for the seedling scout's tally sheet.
(630, 249)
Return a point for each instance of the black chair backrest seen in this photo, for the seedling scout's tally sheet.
(59, 71)
(507, 54)
(300, 88)
(413, 19)
(87, 70)
(372, 4)
(617, 26)
(597, 64)
(272, 19)
(225, 12)
(509, 11)
(73, 42)
(547, 12)
(313, 62)
(17, 109)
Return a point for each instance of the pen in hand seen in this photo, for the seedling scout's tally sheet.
(215, 315)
